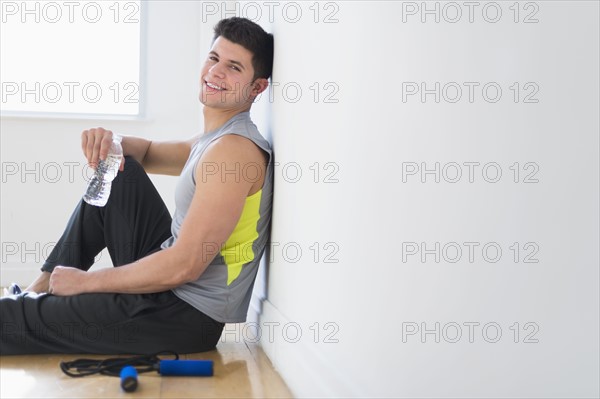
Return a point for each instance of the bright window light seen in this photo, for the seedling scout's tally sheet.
(70, 57)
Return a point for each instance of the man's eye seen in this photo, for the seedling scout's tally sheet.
(236, 68)
(212, 58)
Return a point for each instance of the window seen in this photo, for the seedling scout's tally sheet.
(71, 57)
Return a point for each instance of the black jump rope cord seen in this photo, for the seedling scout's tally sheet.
(113, 366)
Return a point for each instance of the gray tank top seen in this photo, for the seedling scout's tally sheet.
(223, 291)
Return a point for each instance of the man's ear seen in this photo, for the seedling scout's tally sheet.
(258, 86)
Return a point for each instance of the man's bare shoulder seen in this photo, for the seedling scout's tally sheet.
(233, 152)
(235, 146)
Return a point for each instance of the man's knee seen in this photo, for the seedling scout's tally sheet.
(132, 164)
(132, 172)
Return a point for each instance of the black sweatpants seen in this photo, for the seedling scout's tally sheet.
(132, 225)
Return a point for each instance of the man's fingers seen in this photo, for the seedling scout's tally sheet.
(96, 144)
(97, 140)
(105, 144)
(89, 150)
(53, 278)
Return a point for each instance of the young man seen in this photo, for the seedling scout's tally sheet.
(178, 279)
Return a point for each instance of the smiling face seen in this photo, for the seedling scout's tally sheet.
(226, 79)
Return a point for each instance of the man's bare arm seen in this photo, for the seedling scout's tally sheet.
(160, 157)
(166, 157)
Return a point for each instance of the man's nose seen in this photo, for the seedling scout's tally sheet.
(217, 70)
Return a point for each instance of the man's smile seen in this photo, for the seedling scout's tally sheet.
(213, 86)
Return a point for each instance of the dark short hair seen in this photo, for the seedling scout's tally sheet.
(253, 38)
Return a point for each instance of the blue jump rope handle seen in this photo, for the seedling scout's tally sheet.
(129, 375)
(129, 381)
(186, 367)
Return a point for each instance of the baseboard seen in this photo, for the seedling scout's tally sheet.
(305, 371)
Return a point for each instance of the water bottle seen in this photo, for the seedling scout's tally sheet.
(99, 188)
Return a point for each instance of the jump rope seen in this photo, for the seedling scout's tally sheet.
(128, 368)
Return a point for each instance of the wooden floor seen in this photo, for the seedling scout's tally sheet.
(241, 370)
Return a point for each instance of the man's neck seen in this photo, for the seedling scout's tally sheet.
(215, 118)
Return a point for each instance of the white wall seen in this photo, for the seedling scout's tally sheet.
(371, 294)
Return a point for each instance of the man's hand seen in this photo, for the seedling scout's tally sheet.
(65, 281)
(40, 285)
(95, 144)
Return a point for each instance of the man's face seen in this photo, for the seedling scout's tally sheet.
(226, 77)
